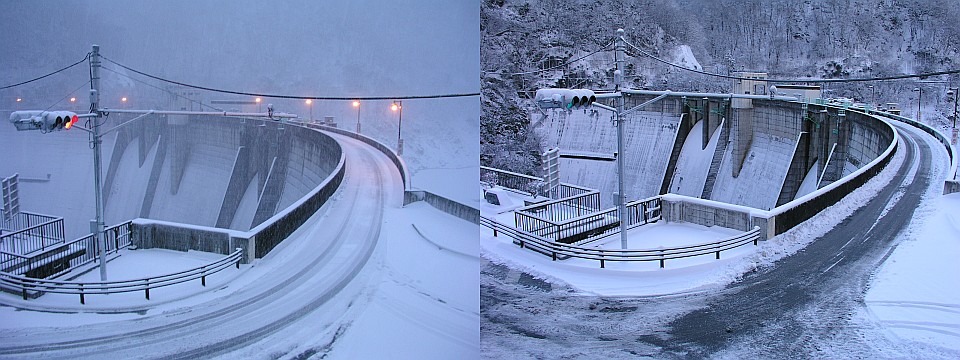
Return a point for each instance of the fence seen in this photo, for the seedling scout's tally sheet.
(521, 182)
(507, 179)
(63, 257)
(555, 249)
(587, 223)
(26, 284)
(32, 232)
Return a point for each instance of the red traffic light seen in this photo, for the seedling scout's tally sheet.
(70, 121)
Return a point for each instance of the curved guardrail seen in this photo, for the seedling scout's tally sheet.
(660, 254)
(24, 284)
(951, 151)
(386, 150)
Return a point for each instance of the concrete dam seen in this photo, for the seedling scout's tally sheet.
(228, 173)
(758, 153)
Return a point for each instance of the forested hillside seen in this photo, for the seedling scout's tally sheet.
(787, 39)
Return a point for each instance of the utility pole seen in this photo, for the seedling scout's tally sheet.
(618, 83)
(99, 236)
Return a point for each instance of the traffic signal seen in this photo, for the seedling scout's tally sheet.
(45, 121)
(564, 98)
(57, 120)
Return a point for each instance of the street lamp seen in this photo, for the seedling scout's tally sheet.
(920, 91)
(310, 104)
(398, 106)
(258, 100)
(874, 100)
(956, 94)
(356, 104)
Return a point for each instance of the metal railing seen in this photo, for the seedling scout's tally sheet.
(577, 221)
(555, 249)
(521, 183)
(60, 258)
(567, 190)
(32, 232)
(507, 179)
(25, 284)
(564, 208)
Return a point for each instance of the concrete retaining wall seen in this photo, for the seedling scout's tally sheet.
(443, 204)
(951, 186)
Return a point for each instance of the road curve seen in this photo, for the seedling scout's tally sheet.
(808, 305)
(309, 269)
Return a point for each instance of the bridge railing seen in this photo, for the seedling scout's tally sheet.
(32, 232)
(521, 182)
(25, 285)
(61, 258)
(507, 179)
(588, 223)
(555, 249)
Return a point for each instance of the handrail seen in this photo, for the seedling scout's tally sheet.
(951, 151)
(25, 284)
(660, 254)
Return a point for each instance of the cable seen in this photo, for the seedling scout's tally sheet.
(564, 64)
(159, 88)
(53, 73)
(878, 78)
(408, 97)
(68, 95)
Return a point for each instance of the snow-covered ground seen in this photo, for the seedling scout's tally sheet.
(635, 278)
(127, 265)
(427, 298)
(451, 183)
(915, 294)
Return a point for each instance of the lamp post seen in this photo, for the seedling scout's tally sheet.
(956, 94)
(874, 96)
(310, 105)
(258, 100)
(920, 91)
(398, 106)
(356, 104)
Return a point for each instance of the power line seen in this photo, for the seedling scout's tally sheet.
(877, 78)
(53, 73)
(564, 64)
(407, 97)
(159, 88)
(68, 95)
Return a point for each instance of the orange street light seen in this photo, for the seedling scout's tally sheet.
(398, 106)
(356, 104)
(310, 104)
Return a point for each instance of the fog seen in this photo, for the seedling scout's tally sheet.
(306, 48)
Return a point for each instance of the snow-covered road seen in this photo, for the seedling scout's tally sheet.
(300, 294)
(807, 305)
